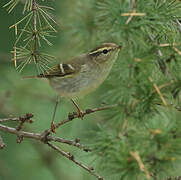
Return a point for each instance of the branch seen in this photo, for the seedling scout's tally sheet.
(46, 138)
(87, 111)
(71, 157)
(38, 136)
(46, 135)
(34, 9)
(16, 119)
(26, 118)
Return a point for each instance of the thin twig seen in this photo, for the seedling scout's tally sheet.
(179, 52)
(158, 91)
(69, 142)
(88, 111)
(9, 119)
(136, 156)
(46, 138)
(34, 9)
(15, 57)
(38, 136)
(54, 112)
(133, 14)
(75, 115)
(71, 157)
(164, 85)
(27, 117)
(168, 44)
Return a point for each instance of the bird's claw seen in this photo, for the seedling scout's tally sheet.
(80, 114)
(53, 128)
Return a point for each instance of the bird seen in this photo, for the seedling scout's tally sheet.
(81, 75)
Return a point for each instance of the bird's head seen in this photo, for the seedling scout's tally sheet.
(106, 52)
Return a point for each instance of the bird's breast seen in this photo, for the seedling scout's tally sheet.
(82, 83)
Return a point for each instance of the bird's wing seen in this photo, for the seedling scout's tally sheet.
(66, 69)
(61, 70)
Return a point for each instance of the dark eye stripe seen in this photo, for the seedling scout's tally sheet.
(96, 53)
(104, 51)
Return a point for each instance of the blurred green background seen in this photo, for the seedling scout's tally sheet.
(33, 160)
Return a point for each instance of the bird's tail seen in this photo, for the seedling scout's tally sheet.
(34, 77)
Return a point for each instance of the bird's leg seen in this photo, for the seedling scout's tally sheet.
(53, 117)
(79, 111)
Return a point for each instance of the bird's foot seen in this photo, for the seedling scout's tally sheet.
(80, 114)
(53, 128)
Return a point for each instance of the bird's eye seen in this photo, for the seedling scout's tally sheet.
(105, 51)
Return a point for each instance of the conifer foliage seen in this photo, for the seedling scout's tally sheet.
(140, 139)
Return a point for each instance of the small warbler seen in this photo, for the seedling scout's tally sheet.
(82, 74)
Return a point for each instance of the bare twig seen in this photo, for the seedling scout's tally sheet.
(88, 111)
(38, 136)
(16, 119)
(26, 118)
(72, 116)
(34, 9)
(46, 138)
(69, 142)
(71, 157)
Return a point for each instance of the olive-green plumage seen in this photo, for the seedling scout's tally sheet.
(84, 73)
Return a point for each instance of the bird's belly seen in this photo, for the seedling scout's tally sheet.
(80, 84)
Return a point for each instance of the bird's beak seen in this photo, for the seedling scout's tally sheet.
(119, 47)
